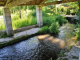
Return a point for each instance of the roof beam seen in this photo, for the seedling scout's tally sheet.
(2, 5)
(43, 2)
(65, 1)
(1, 2)
(17, 2)
(51, 3)
(58, 2)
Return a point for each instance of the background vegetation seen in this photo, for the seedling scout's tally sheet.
(52, 16)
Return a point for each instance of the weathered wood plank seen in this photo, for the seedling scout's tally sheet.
(11, 3)
(2, 5)
(51, 3)
(17, 2)
(1, 2)
(58, 2)
(43, 2)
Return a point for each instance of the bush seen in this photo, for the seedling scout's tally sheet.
(77, 32)
(78, 16)
(45, 13)
(44, 29)
(61, 20)
(47, 21)
(1, 12)
(33, 13)
(54, 28)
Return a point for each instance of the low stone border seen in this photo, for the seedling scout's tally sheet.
(2, 31)
(19, 29)
(17, 40)
(24, 28)
(19, 37)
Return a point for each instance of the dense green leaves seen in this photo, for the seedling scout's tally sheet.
(54, 28)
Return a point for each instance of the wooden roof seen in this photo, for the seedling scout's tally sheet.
(11, 3)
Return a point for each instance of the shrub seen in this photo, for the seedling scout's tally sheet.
(1, 12)
(61, 20)
(44, 29)
(77, 32)
(33, 13)
(47, 21)
(78, 16)
(45, 13)
(54, 28)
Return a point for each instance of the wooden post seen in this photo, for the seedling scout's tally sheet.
(20, 11)
(7, 20)
(27, 8)
(39, 16)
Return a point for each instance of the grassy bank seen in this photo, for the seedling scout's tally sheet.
(17, 22)
(29, 18)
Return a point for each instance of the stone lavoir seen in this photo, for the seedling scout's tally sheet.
(41, 47)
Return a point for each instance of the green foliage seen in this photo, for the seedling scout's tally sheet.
(61, 20)
(32, 7)
(18, 23)
(14, 9)
(45, 14)
(24, 22)
(33, 13)
(54, 28)
(24, 7)
(50, 58)
(61, 53)
(2, 26)
(44, 29)
(5, 35)
(47, 21)
(79, 16)
(1, 12)
(77, 32)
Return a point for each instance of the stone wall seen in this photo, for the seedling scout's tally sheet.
(19, 29)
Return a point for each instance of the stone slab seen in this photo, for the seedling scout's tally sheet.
(20, 34)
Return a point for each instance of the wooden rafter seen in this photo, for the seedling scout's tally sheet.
(58, 2)
(17, 2)
(5, 2)
(51, 3)
(1, 2)
(2, 5)
(11, 3)
(43, 2)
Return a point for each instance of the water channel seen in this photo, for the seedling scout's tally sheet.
(33, 49)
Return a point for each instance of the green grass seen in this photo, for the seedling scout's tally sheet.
(26, 20)
(2, 26)
(29, 18)
(44, 29)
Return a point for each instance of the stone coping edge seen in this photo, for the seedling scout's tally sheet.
(17, 40)
(19, 29)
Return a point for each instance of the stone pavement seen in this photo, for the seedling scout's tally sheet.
(20, 34)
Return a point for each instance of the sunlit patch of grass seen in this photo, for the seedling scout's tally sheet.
(2, 26)
(26, 20)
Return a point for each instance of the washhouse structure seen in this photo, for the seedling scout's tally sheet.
(39, 3)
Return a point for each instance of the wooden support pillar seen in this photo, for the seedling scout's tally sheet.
(20, 11)
(7, 21)
(39, 16)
